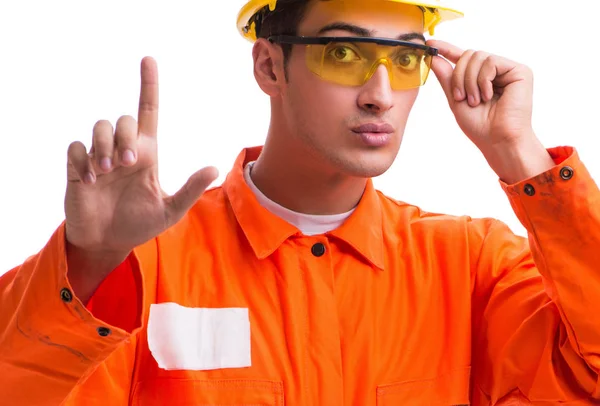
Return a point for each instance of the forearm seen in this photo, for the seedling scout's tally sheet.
(560, 209)
(535, 328)
(48, 340)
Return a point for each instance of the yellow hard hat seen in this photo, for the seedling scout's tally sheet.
(434, 12)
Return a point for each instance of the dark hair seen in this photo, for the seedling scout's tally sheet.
(284, 20)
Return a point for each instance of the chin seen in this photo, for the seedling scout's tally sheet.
(367, 164)
(368, 171)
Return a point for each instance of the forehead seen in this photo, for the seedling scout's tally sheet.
(384, 17)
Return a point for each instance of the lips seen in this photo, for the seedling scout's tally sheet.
(373, 128)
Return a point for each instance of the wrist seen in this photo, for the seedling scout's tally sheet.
(519, 160)
(86, 269)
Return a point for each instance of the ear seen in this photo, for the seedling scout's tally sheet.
(268, 66)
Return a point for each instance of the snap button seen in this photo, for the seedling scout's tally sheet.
(103, 331)
(529, 190)
(66, 295)
(567, 173)
(318, 250)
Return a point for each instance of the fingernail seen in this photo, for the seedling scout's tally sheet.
(471, 100)
(105, 164)
(457, 94)
(89, 178)
(128, 157)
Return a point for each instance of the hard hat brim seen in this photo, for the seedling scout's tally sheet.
(441, 14)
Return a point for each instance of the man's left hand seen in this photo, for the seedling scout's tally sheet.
(492, 98)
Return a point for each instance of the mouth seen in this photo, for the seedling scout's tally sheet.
(375, 129)
(375, 135)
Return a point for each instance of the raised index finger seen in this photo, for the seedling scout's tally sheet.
(148, 109)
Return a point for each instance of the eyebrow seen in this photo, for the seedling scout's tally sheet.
(363, 32)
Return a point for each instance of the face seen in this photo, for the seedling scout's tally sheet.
(324, 117)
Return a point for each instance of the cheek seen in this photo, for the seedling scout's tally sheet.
(322, 101)
(328, 108)
(404, 102)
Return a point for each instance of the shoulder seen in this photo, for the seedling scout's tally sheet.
(402, 215)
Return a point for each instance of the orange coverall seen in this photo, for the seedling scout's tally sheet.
(234, 306)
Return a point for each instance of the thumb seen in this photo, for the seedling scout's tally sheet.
(184, 199)
(443, 72)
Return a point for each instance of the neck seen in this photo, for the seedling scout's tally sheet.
(289, 173)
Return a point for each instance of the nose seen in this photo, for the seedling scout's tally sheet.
(376, 95)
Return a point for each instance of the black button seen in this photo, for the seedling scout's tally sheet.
(103, 331)
(318, 250)
(66, 295)
(529, 190)
(567, 173)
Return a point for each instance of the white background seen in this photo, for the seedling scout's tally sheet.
(66, 64)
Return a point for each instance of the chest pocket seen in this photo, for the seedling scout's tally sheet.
(451, 389)
(188, 392)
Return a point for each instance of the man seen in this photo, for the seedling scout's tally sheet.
(296, 282)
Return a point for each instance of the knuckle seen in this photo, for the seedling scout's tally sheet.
(103, 136)
(125, 120)
(148, 106)
(75, 147)
(527, 70)
(126, 131)
(491, 60)
(102, 125)
(466, 56)
(480, 55)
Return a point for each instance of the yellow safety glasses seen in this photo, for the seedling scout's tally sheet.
(352, 61)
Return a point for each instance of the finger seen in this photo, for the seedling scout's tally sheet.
(103, 145)
(443, 72)
(485, 80)
(184, 199)
(508, 71)
(458, 77)
(447, 50)
(80, 163)
(148, 108)
(126, 140)
(471, 78)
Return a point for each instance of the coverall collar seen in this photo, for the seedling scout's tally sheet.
(363, 230)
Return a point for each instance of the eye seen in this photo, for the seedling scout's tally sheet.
(408, 60)
(343, 53)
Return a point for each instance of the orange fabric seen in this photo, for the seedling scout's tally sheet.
(119, 291)
(404, 307)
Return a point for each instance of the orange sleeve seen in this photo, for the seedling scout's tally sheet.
(535, 301)
(49, 342)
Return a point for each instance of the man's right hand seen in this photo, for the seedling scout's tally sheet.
(114, 201)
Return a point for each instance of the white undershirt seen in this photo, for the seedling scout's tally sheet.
(308, 224)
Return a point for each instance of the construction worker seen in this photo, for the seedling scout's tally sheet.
(295, 282)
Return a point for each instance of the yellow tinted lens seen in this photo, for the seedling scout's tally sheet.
(410, 68)
(353, 63)
(339, 62)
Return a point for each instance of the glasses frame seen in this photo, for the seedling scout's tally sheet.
(302, 40)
